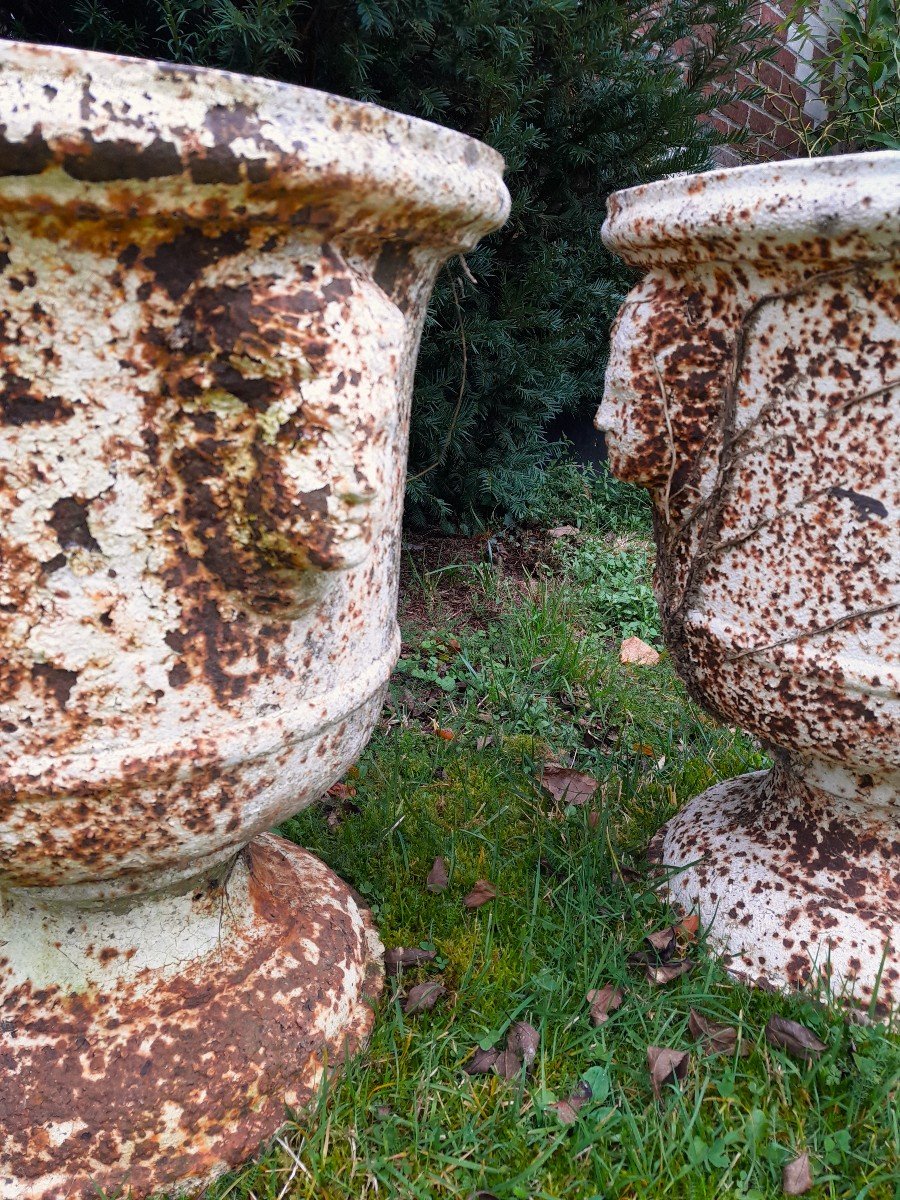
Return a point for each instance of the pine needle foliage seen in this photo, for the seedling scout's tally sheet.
(582, 97)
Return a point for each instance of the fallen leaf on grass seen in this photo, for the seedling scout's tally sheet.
(633, 650)
(482, 743)
(567, 1110)
(338, 803)
(523, 1040)
(604, 1001)
(562, 531)
(568, 786)
(666, 1066)
(481, 1062)
(660, 974)
(598, 737)
(341, 791)
(480, 894)
(715, 1038)
(507, 1064)
(796, 1178)
(793, 1037)
(663, 941)
(447, 734)
(690, 927)
(405, 956)
(423, 997)
(437, 877)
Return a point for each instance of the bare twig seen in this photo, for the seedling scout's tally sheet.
(816, 632)
(709, 509)
(466, 271)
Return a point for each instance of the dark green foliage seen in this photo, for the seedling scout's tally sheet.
(581, 97)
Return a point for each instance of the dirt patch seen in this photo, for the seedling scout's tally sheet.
(439, 574)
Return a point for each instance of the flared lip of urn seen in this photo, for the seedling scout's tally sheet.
(832, 209)
(105, 133)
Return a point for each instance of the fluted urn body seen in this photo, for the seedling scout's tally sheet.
(211, 292)
(754, 389)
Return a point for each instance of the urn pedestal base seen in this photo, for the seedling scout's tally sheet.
(151, 1044)
(795, 870)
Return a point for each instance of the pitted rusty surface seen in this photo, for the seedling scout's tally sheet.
(799, 885)
(754, 389)
(211, 294)
(184, 1070)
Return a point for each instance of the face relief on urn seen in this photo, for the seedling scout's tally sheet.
(754, 388)
(211, 292)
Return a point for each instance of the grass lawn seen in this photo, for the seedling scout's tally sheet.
(510, 661)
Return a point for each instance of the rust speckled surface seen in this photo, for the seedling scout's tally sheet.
(211, 295)
(754, 389)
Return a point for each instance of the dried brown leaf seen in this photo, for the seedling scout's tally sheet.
(341, 791)
(715, 1038)
(596, 736)
(437, 877)
(604, 1001)
(507, 1064)
(663, 942)
(660, 974)
(568, 786)
(481, 1062)
(562, 531)
(633, 650)
(666, 1066)
(567, 1110)
(523, 1040)
(796, 1178)
(793, 1037)
(480, 894)
(405, 956)
(423, 997)
(690, 927)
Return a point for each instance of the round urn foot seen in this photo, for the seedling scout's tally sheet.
(152, 1044)
(796, 881)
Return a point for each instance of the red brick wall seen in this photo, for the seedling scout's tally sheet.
(773, 119)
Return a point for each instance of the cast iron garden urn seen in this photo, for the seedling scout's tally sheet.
(754, 388)
(212, 292)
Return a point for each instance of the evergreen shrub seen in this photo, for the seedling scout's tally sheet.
(582, 97)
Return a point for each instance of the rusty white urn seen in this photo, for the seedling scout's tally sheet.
(754, 389)
(212, 290)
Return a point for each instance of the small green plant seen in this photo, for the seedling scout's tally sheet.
(432, 663)
(616, 587)
(858, 77)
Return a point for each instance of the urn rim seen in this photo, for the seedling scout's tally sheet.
(833, 208)
(200, 142)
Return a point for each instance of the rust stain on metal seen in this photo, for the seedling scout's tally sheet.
(211, 295)
(754, 389)
(173, 1081)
